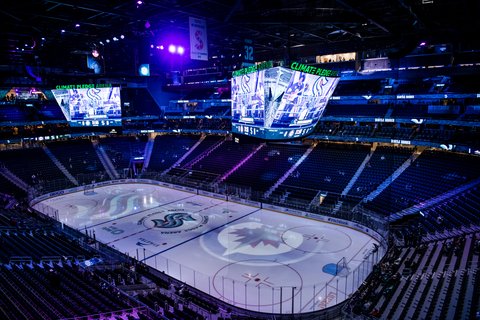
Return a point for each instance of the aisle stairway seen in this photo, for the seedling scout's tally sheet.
(60, 166)
(291, 170)
(395, 175)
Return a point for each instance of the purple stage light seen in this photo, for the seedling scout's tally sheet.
(77, 25)
(139, 2)
(180, 50)
(422, 44)
(63, 30)
(172, 48)
(151, 46)
(122, 37)
(161, 47)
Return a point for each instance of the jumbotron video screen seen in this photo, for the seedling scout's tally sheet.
(90, 107)
(279, 103)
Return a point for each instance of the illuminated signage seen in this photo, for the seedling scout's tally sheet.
(83, 86)
(314, 70)
(255, 68)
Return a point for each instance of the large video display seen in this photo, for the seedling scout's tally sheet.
(90, 107)
(279, 103)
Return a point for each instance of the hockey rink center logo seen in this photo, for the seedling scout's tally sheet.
(173, 221)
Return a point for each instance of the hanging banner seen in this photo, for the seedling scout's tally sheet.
(198, 39)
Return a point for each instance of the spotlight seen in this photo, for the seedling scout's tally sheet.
(122, 37)
(23, 49)
(101, 42)
(172, 48)
(115, 39)
(158, 47)
(63, 30)
(43, 39)
(180, 50)
(77, 25)
(139, 2)
(26, 45)
(161, 47)
(151, 46)
(95, 53)
(107, 41)
(422, 44)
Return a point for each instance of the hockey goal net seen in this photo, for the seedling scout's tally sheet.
(89, 189)
(342, 268)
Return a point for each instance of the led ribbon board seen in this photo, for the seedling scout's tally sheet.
(280, 103)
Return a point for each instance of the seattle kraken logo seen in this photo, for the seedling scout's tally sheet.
(318, 86)
(173, 220)
(92, 94)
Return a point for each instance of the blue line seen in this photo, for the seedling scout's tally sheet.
(202, 234)
(140, 211)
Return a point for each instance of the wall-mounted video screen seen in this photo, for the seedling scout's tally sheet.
(91, 106)
(279, 103)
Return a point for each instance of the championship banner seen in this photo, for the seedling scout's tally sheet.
(198, 39)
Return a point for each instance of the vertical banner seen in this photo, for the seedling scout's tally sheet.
(248, 53)
(198, 39)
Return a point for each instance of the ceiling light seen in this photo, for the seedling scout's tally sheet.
(180, 50)
(115, 39)
(107, 41)
(172, 48)
(77, 25)
(63, 30)
(122, 37)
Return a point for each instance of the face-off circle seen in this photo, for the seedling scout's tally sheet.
(319, 240)
(250, 279)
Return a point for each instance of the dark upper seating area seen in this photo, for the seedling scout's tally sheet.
(141, 102)
(207, 143)
(224, 158)
(121, 149)
(356, 131)
(168, 149)
(11, 113)
(463, 84)
(33, 161)
(384, 161)
(329, 167)
(394, 133)
(433, 173)
(266, 166)
(413, 86)
(408, 110)
(8, 187)
(352, 87)
(51, 111)
(77, 156)
(356, 110)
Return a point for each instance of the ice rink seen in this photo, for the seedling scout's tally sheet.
(253, 258)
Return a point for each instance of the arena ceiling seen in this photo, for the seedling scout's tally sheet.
(32, 30)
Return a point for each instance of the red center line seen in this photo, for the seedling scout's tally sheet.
(162, 224)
